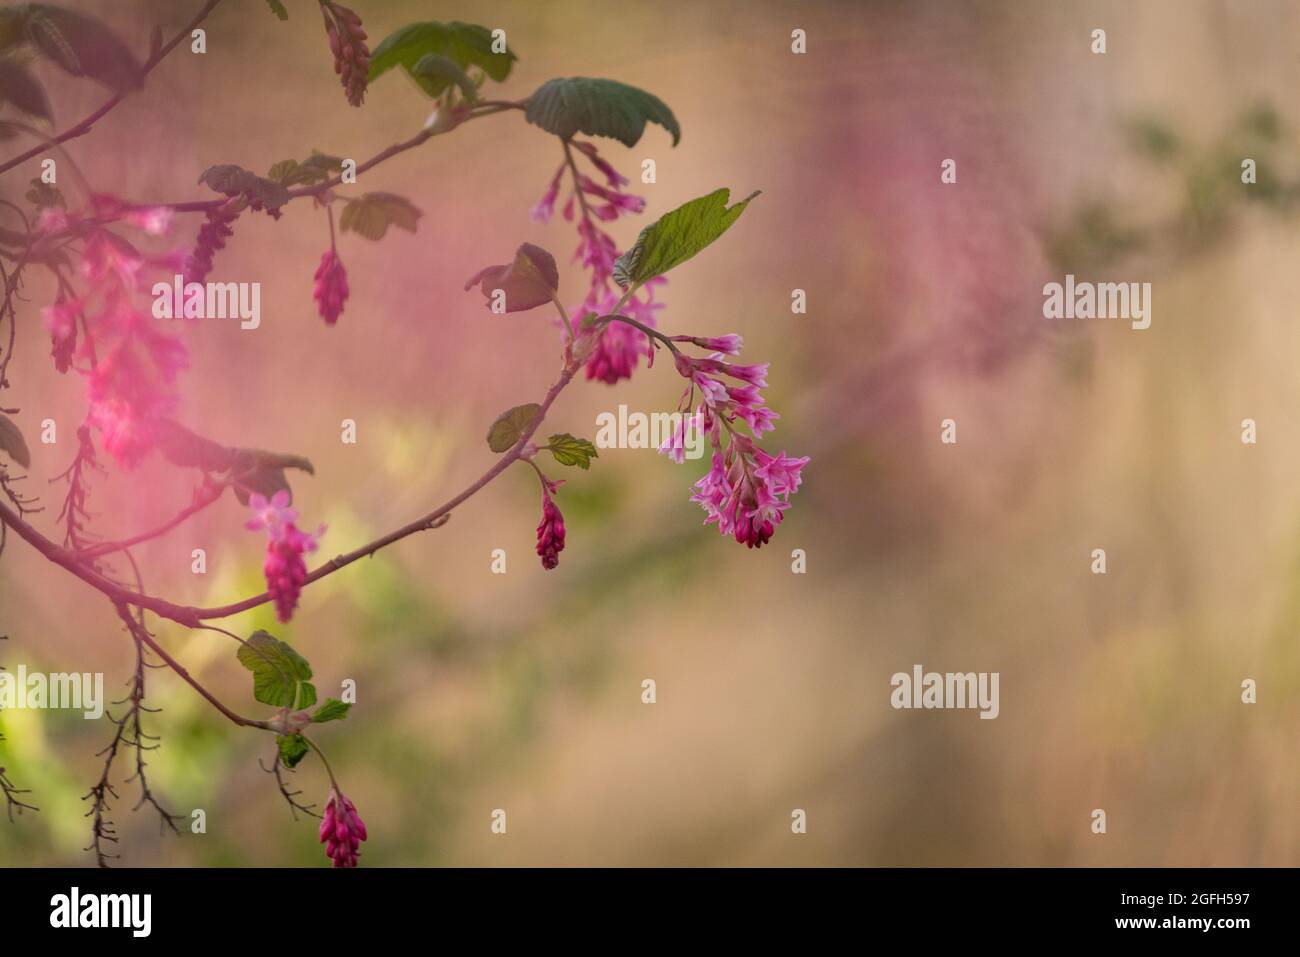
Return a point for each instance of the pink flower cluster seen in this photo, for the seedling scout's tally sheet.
(284, 566)
(746, 490)
(348, 44)
(331, 289)
(130, 365)
(342, 830)
(550, 533)
(620, 346)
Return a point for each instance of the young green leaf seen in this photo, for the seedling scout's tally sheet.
(11, 441)
(332, 710)
(19, 87)
(599, 108)
(291, 173)
(435, 73)
(278, 9)
(510, 425)
(279, 673)
(371, 214)
(530, 281)
(464, 44)
(568, 450)
(293, 748)
(677, 236)
(83, 46)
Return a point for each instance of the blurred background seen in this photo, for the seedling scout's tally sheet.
(522, 691)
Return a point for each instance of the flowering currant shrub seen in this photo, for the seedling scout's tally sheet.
(109, 255)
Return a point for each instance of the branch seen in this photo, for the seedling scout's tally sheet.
(192, 617)
(201, 501)
(85, 126)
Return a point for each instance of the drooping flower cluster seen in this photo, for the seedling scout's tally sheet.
(550, 533)
(342, 830)
(616, 353)
(331, 288)
(214, 232)
(746, 490)
(348, 44)
(130, 365)
(284, 566)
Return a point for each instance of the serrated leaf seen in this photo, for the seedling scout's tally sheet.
(435, 73)
(332, 710)
(529, 281)
(19, 87)
(278, 9)
(293, 748)
(11, 441)
(465, 44)
(279, 673)
(83, 46)
(598, 108)
(510, 425)
(371, 214)
(232, 180)
(569, 450)
(677, 236)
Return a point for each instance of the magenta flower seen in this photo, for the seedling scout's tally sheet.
(153, 220)
(284, 566)
(545, 208)
(746, 490)
(347, 43)
(331, 290)
(550, 533)
(342, 830)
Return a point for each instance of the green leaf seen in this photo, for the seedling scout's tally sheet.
(234, 180)
(256, 470)
(371, 214)
(568, 450)
(278, 9)
(315, 169)
(83, 46)
(531, 280)
(293, 748)
(599, 108)
(435, 73)
(464, 44)
(43, 195)
(678, 236)
(332, 710)
(19, 87)
(11, 441)
(510, 425)
(279, 672)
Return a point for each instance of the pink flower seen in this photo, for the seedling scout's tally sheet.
(331, 290)
(341, 830)
(347, 43)
(285, 570)
(284, 567)
(51, 220)
(154, 220)
(550, 533)
(274, 515)
(545, 208)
